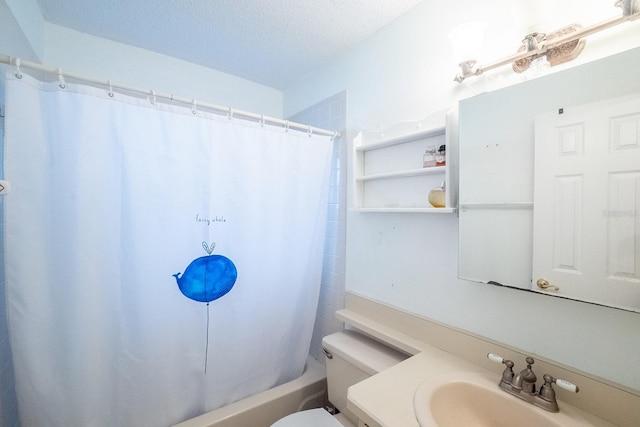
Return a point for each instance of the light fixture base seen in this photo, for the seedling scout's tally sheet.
(555, 55)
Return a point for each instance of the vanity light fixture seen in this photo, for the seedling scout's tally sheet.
(540, 51)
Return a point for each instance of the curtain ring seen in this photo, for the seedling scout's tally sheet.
(153, 97)
(262, 120)
(110, 89)
(194, 107)
(335, 134)
(61, 82)
(18, 73)
(310, 132)
(286, 126)
(230, 114)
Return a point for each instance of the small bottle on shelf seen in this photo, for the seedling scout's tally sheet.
(441, 158)
(429, 158)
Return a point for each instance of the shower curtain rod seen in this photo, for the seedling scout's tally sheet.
(231, 112)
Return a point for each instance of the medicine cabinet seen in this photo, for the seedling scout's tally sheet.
(549, 185)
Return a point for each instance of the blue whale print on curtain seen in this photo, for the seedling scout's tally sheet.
(207, 278)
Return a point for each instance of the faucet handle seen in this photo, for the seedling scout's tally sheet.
(507, 375)
(496, 358)
(547, 392)
(563, 384)
(548, 395)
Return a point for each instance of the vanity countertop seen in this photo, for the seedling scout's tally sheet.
(386, 399)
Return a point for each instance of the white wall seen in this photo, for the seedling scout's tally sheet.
(30, 37)
(108, 60)
(27, 15)
(410, 261)
(406, 70)
(13, 41)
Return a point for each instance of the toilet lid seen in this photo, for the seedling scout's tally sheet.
(311, 418)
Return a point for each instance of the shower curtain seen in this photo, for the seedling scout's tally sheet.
(118, 205)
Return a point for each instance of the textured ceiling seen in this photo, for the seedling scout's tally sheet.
(271, 42)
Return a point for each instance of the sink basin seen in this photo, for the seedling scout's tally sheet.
(472, 399)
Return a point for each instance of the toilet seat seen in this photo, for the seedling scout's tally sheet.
(310, 418)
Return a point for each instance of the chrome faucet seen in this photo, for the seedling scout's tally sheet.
(523, 385)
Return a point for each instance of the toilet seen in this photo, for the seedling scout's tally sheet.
(350, 358)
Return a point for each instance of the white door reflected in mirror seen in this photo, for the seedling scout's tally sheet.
(586, 219)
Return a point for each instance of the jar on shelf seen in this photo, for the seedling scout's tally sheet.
(437, 196)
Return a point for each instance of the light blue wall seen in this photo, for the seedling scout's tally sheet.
(27, 35)
(26, 14)
(13, 41)
(107, 60)
(410, 261)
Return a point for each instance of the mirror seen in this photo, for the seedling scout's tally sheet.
(496, 163)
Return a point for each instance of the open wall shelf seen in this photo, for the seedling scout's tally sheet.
(388, 172)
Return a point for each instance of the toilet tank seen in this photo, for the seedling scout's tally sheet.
(351, 358)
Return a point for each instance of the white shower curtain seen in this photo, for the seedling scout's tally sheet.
(114, 195)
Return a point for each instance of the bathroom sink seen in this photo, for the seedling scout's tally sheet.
(472, 399)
